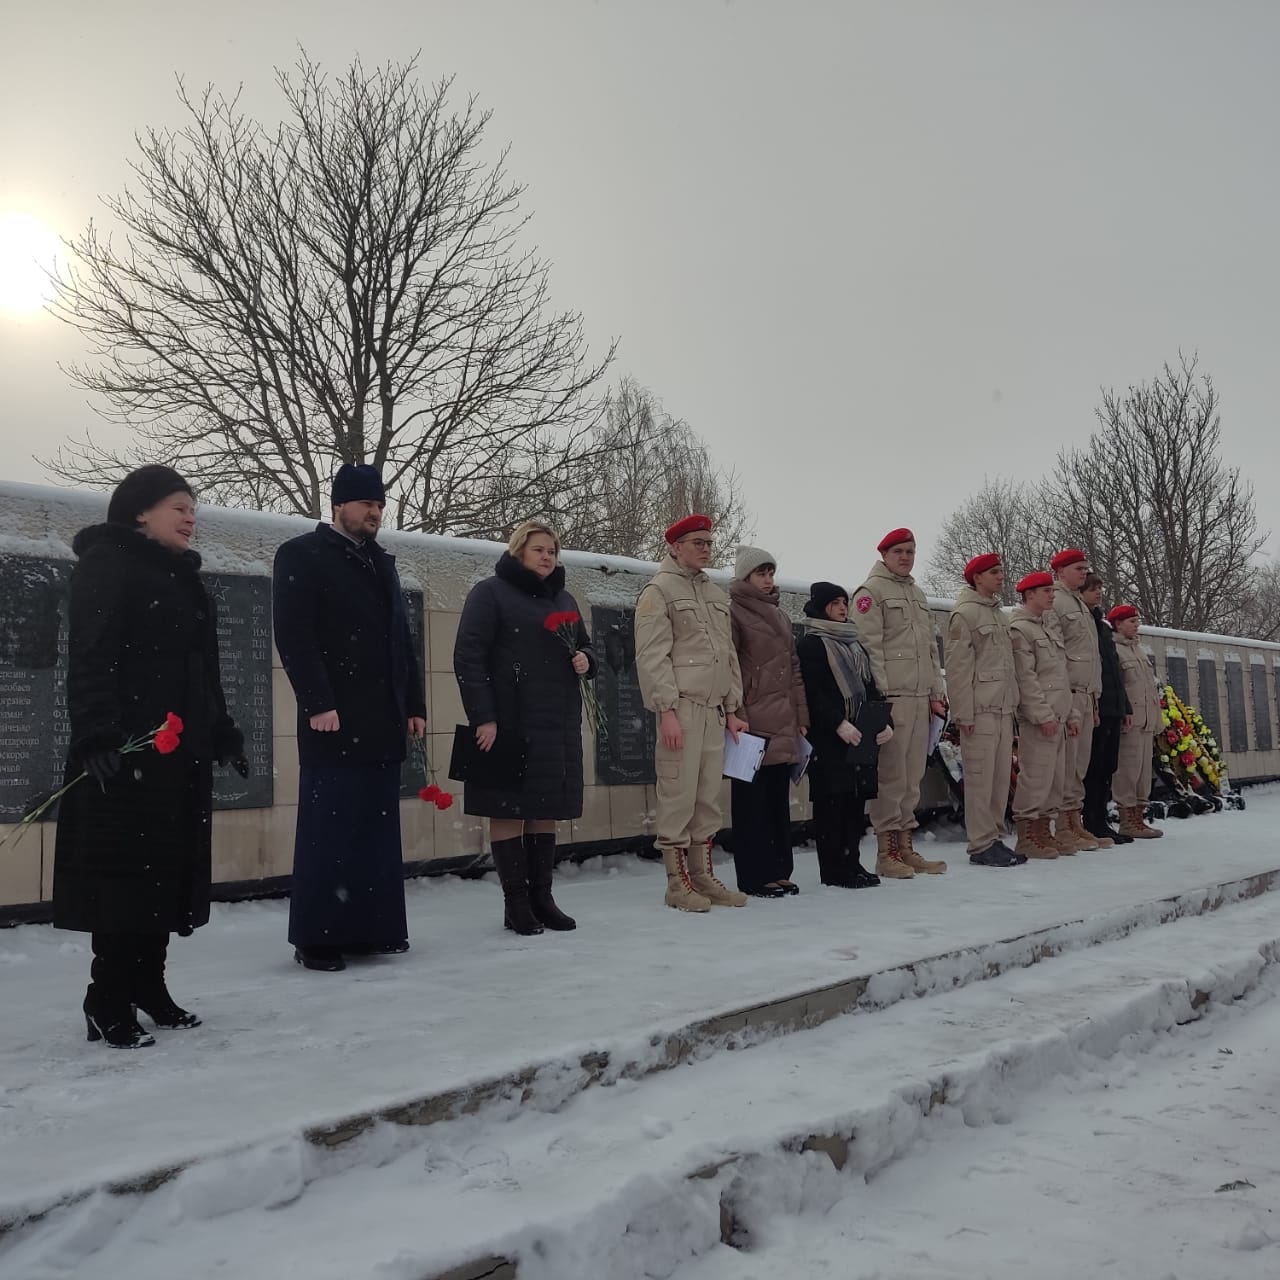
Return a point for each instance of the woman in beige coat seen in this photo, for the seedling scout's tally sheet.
(773, 704)
(1131, 785)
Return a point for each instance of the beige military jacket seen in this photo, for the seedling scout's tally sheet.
(1080, 635)
(684, 641)
(896, 628)
(980, 670)
(1040, 658)
(1140, 685)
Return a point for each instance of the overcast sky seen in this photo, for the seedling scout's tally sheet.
(872, 252)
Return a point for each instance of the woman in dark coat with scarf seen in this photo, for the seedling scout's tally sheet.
(837, 682)
(132, 861)
(520, 680)
(773, 704)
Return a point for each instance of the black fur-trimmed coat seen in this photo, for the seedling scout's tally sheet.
(142, 642)
(511, 670)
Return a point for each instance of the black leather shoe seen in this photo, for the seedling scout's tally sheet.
(787, 887)
(995, 855)
(764, 891)
(385, 949)
(323, 959)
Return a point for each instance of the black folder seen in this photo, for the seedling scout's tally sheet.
(502, 766)
(872, 718)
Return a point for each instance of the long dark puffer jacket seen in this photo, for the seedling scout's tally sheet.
(514, 671)
(1113, 702)
(829, 771)
(142, 642)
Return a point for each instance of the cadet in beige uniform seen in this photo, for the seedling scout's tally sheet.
(1131, 784)
(689, 677)
(983, 689)
(896, 629)
(1046, 720)
(1084, 667)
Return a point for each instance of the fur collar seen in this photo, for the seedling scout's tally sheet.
(120, 537)
(510, 570)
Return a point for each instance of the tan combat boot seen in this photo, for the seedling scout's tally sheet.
(908, 854)
(1061, 836)
(1029, 843)
(1084, 839)
(680, 891)
(889, 861)
(1043, 837)
(1133, 823)
(702, 874)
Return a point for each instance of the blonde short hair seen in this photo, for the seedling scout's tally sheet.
(521, 534)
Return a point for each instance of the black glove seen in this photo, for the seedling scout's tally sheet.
(101, 765)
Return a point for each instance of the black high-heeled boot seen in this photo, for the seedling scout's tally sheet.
(159, 1006)
(541, 850)
(117, 1024)
(512, 864)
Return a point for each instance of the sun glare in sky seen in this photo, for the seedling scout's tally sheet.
(28, 249)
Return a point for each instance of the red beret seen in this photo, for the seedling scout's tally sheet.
(690, 524)
(1121, 612)
(980, 564)
(1064, 558)
(1037, 579)
(894, 539)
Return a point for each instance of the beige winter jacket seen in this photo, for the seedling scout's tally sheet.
(1140, 686)
(1080, 635)
(773, 701)
(1040, 658)
(896, 628)
(684, 646)
(980, 670)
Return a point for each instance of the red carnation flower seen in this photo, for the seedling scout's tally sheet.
(166, 741)
(173, 723)
(428, 794)
(444, 800)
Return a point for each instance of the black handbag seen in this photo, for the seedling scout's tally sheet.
(502, 766)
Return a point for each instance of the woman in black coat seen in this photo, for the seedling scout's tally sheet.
(520, 685)
(132, 861)
(837, 682)
(1113, 709)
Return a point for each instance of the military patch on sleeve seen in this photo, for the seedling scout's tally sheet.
(863, 604)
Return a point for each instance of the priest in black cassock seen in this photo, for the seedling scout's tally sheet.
(343, 637)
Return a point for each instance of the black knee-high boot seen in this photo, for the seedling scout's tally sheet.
(151, 995)
(108, 1004)
(512, 864)
(541, 851)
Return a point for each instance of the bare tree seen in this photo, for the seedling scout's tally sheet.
(1257, 615)
(1003, 517)
(350, 287)
(1167, 524)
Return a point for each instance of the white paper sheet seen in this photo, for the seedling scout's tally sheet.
(936, 725)
(742, 758)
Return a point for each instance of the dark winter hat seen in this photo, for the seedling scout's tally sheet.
(822, 594)
(357, 482)
(140, 490)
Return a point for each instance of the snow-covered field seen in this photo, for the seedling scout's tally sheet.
(981, 1144)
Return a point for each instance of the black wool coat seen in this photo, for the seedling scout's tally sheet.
(829, 771)
(512, 670)
(1113, 702)
(142, 642)
(343, 636)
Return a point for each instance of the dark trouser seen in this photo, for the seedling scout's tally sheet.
(127, 967)
(1102, 765)
(762, 827)
(838, 824)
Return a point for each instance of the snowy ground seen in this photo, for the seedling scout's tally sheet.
(596, 1184)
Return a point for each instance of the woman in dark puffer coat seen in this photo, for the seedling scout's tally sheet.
(132, 861)
(518, 679)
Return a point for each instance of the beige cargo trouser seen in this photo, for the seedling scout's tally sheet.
(1079, 750)
(1131, 785)
(987, 755)
(1042, 764)
(901, 768)
(689, 779)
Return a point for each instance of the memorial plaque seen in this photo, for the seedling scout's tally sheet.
(1207, 706)
(34, 731)
(33, 668)
(243, 608)
(1178, 676)
(625, 754)
(1262, 738)
(1237, 717)
(412, 777)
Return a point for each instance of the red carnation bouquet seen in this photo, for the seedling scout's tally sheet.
(165, 738)
(431, 793)
(563, 624)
